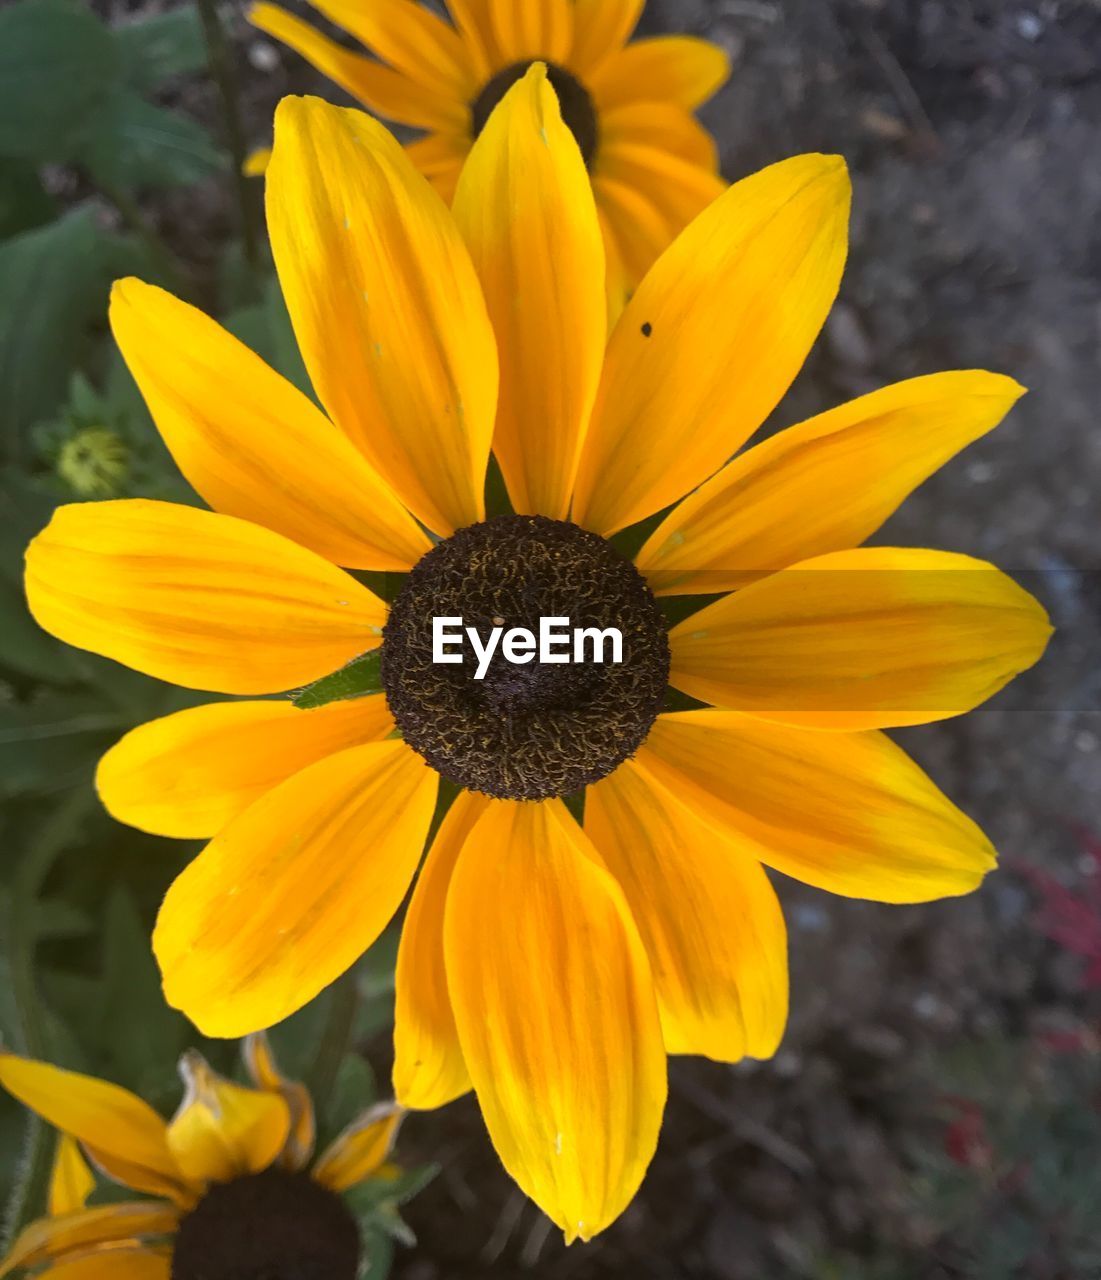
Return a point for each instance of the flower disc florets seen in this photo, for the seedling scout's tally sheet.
(267, 1226)
(532, 730)
(578, 111)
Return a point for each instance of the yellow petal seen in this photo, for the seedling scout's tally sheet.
(293, 892)
(429, 1070)
(250, 443)
(525, 30)
(680, 69)
(862, 639)
(411, 39)
(850, 813)
(616, 281)
(360, 1150)
(263, 1071)
(71, 1182)
(525, 207)
(601, 28)
(256, 162)
(102, 1115)
(386, 306)
(202, 600)
(140, 1178)
(472, 21)
(391, 93)
(189, 774)
(122, 1263)
(85, 1230)
(440, 157)
(824, 485)
(223, 1131)
(678, 189)
(556, 1014)
(663, 125)
(640, 230)
(713, 338)
(708, 916)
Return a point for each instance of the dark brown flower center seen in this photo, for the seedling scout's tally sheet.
(267, 1226)
(527, 729)
(574, 101)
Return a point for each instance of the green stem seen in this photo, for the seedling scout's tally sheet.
(225, 75)
(29, 1193)
(336, 1038)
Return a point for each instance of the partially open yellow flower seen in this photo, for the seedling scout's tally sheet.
(548, 963)
(236, 1189)
(629, 106)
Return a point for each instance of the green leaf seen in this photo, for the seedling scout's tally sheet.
(158, 46)
(53, 742)
(142, 1037)
(359, 678)
(24, 202)
(58, 63)
(25, 648)
(137, 145)
(52, 283)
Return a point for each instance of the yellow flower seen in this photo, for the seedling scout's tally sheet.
(237, 1190)
(630, 106)
(546, 962)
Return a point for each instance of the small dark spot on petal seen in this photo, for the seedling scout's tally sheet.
(647, 329)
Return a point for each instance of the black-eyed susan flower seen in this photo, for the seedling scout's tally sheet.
(629, 105)
(548, 962)
(231, 1189)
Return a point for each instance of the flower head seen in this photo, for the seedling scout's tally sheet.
(628, 106)
(548, 961)
(233, 1189)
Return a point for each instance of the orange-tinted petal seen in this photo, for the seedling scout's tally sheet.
(390, 93)
(250, 443)
(712, 339)
(525, 207)
(641, 232)
(429, 1070)
(709, 918)
(525, 30)
(824, 485)
(601, 29)
(680, 69)
(189, 774)
(556, 1013)
(678, 189)
(292, 893)
(202, 600)
(411, 39)
(386, 306)
(862, 639)
(663, 125)
(440, 157)
(850, 813)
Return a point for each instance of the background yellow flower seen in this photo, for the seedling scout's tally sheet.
(653, 167)
(238, 1190)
